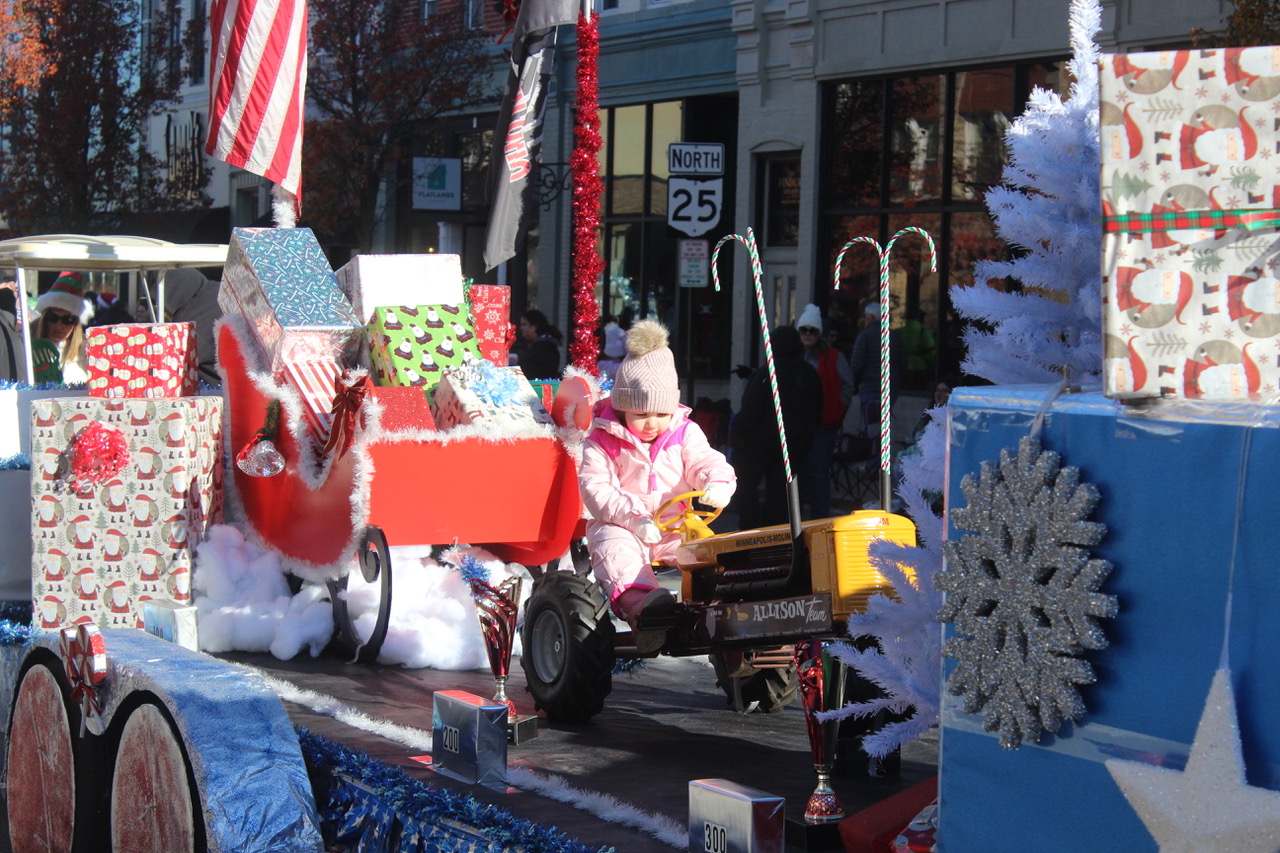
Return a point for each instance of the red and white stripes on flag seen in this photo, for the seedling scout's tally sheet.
(257, 87)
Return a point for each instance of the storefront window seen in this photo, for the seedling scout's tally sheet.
(918, 150)
(782, 201)
(642, 267)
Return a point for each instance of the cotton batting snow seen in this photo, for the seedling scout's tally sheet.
(244, 603)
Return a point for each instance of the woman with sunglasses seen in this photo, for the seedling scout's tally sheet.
(63, 314)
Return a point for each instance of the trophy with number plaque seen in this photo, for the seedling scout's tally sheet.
(497, 608)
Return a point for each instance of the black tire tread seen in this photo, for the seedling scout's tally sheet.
(579, 693)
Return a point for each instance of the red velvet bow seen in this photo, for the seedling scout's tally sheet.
(346, 407)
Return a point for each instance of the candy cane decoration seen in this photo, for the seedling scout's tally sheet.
(84, 654)
(885, 463)
(758, 275)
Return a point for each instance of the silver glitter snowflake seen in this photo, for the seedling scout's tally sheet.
(1023, 594)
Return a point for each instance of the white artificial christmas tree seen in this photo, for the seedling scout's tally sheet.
(1048, 208)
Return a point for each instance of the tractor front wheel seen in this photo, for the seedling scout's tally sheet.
(567, 642)
(760, 690)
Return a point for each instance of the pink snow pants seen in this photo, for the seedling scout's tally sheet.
(620, 561)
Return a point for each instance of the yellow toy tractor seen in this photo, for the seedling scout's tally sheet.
(746, 597)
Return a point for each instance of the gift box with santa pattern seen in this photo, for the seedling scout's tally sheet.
(280, 282)
(142, 360)
(1190, 277)
(413, 344)
(106, 540)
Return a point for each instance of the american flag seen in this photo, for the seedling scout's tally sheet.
(257, 87)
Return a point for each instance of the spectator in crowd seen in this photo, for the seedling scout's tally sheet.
(64, 311)
(192, 297)
(108, 310)
(537, 347)
(837, 393)
(11, 360)
(754, 434)
(920, 346)
(865, 366)
(612, 350)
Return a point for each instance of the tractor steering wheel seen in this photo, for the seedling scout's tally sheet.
(667, 525)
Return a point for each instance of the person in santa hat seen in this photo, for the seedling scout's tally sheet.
(63, 313)
(50, 464)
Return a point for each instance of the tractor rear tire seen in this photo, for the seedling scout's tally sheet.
(769, 689)
(567, 642)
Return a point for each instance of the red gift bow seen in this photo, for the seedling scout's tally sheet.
(96, 454)
(346, 406)
(84, 653)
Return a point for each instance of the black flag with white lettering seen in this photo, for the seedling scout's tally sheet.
(518, 137)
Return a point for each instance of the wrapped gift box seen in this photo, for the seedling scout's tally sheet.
(413, 345)
(496, 396)
(404, 409)
(1170, 487)
(315, 380)
(142, 360)
(1189, 187)
(374, 281)
(491, 316)
(280, 282)
(99, 552)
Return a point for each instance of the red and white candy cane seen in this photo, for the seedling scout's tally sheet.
(758, 275)
(84, 654)
(886, 488)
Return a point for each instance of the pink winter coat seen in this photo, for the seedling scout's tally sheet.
(624, 481)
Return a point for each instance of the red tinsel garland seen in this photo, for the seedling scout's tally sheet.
(587, 189)
(97, 453)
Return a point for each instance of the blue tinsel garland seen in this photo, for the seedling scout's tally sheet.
(13, 384)
(472, 569)
(364, 799)
(15, 633)
(16, 462)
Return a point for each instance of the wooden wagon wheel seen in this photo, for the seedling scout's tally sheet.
(41, 767)
(151, 798)
(375, 564)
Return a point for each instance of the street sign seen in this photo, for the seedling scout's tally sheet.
(696, 158)
(694, 204)
(695, 262)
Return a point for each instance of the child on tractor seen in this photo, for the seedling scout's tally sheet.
(644, 449)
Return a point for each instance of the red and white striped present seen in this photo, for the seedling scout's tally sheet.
(491, 317)
(315, 380)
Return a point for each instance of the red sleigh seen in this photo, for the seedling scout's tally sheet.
(516, 498)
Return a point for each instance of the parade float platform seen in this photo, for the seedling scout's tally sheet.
(662, 727)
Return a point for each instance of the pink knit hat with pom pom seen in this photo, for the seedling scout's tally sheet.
(646, 380)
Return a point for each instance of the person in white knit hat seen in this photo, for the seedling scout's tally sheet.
(644, 449)
(64, 311)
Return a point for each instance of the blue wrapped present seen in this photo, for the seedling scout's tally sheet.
(1187, 495)
(280, 282)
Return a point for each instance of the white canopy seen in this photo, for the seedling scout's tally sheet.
(115, 253)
